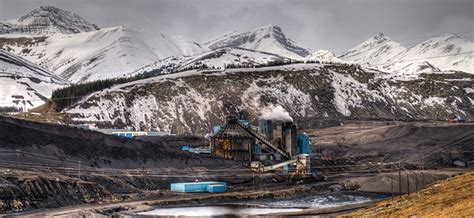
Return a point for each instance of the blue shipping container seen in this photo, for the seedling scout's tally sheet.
(127, 135)
(216, 188)
(197, 186)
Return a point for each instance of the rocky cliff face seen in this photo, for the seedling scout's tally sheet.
(47, 20)
(193, 101)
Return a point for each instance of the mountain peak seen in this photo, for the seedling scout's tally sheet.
(48, 20)
(270, 27)
(378, 38)
(378, 49)
(269, 38)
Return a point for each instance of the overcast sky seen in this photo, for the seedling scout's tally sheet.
(332, 24)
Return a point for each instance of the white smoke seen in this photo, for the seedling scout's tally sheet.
(276, 113)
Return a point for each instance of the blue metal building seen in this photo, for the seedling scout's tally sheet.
(199, 187)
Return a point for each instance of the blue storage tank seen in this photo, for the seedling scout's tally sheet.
(303, 144)
(198, 186)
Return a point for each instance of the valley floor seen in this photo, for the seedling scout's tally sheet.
(46, 178)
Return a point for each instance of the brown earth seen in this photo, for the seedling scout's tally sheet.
(453, 197)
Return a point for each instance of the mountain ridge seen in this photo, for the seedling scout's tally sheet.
(47, 20)
(268, 38)
(445, 52)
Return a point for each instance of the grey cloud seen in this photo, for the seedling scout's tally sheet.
(331, 24)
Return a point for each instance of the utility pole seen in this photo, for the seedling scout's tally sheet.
(422, 176)
(392, 178)
(399, 179)
(408, 183)
(416, 181)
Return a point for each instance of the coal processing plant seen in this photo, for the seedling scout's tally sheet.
(272, 145)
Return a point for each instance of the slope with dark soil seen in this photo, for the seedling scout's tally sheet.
(47, 165)
(422, 144)
(93, 148)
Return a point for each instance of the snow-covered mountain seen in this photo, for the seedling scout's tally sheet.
(447, 52)
(165, 45)
(218, 59)
(323, 56)
(24, 84)
(377, 50)
(47, 20)
(269, 39)
(443, 53)
(222, 57)
(106, 53)
(72, 47)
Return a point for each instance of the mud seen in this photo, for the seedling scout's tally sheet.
(419, 144)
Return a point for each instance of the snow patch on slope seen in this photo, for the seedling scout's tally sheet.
(166, 45)
(323, 56)
(23, 84)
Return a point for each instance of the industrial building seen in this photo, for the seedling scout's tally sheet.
(270, 145)
(132, 134)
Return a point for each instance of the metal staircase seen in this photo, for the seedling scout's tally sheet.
(262, 138)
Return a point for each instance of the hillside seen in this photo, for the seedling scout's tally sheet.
(447, 198)
(24, 84)
(193, 101)
(56, 144)
(165, 46)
